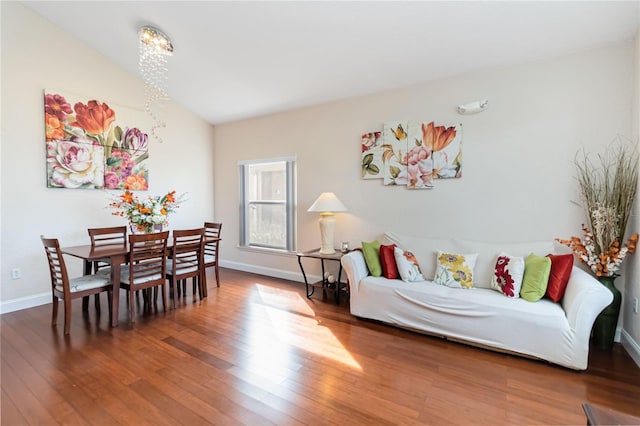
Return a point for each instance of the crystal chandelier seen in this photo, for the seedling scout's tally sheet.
(155, 48)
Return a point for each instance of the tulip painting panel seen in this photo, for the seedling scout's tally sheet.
(94, 145)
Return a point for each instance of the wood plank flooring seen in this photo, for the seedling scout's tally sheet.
(258, 352)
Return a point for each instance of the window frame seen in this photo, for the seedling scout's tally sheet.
(289, 203)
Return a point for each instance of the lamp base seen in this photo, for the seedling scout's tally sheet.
(327, 224)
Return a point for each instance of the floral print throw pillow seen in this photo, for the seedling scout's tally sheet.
(508, 274)
(408, 267)
(455, 270)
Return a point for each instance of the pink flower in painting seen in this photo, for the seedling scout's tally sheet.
(370, 140)
(419, 167)
(57, 105)
(111, 180)
(75, 164)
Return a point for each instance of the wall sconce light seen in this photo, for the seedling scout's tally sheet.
(327, 203)
(473, 107)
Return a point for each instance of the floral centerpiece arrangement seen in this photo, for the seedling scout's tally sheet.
(607, 190)
(144, 215)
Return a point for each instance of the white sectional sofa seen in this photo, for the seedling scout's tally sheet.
(555, 332)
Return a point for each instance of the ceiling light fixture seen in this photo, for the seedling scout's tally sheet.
(155, 48)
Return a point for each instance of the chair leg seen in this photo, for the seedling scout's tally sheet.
(131, 304)
(67, 315)
(85, 303)
(164, 297)
(194, 285)
(54, 316)
(217, 276)
(110, 303)
(97, 302)
(175, 291)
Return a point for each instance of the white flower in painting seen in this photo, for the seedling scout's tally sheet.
(75, 164)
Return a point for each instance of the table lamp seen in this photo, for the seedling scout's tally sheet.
(327, 203)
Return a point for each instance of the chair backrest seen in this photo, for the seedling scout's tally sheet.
(57, 267)
(111, 235)
(212, 231)
(147, 258)
(187, 251)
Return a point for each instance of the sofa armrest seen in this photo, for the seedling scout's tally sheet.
(583, 300)
(354, 265)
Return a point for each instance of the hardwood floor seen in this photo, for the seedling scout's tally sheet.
(257, 352)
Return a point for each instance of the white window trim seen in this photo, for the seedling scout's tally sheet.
(290, 204)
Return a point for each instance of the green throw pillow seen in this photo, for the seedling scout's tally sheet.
(371, 253)
(536, 277)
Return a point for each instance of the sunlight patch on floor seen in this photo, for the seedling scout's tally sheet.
(292, 322)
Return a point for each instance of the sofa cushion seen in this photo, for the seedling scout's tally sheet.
(371, 253)
(536, 276)
(508, 274)
(424, 249)
(488, 252)
(408, 266)
(561, 266)
(388, 262)
(455, 270)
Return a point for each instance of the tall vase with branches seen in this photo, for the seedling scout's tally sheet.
(608, 188)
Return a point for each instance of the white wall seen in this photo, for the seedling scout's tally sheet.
(631, 321)
(518, 172)
(38, 55)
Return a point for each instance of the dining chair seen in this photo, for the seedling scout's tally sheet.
(106, 236)
(211, 248)
(147, 263)
(62, 287)
(186, 261)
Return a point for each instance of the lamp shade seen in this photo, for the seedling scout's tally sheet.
(327, 202)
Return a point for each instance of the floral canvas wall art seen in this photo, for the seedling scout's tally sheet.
(94, 145)
(445, 144)
(372, 150)
(418, 160)
(413, 153)
(394, 134)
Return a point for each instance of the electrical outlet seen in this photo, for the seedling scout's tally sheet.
(635, 305)
(16, 274)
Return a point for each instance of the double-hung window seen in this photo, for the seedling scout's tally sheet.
(267, 204)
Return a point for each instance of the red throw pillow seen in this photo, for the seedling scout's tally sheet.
(388, 261)
(561, 265)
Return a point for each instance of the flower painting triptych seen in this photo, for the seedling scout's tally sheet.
(412, 154)
(94, 145)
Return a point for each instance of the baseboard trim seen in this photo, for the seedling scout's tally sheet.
(632, 347)
(25, 302)
(44, 298)
(271, 272)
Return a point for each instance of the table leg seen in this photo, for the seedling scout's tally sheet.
(116, 261)
(87, 271)
(306, 283)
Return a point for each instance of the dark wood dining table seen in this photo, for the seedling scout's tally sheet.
(118, 255)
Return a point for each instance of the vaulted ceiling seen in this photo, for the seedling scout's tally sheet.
(240, 59)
